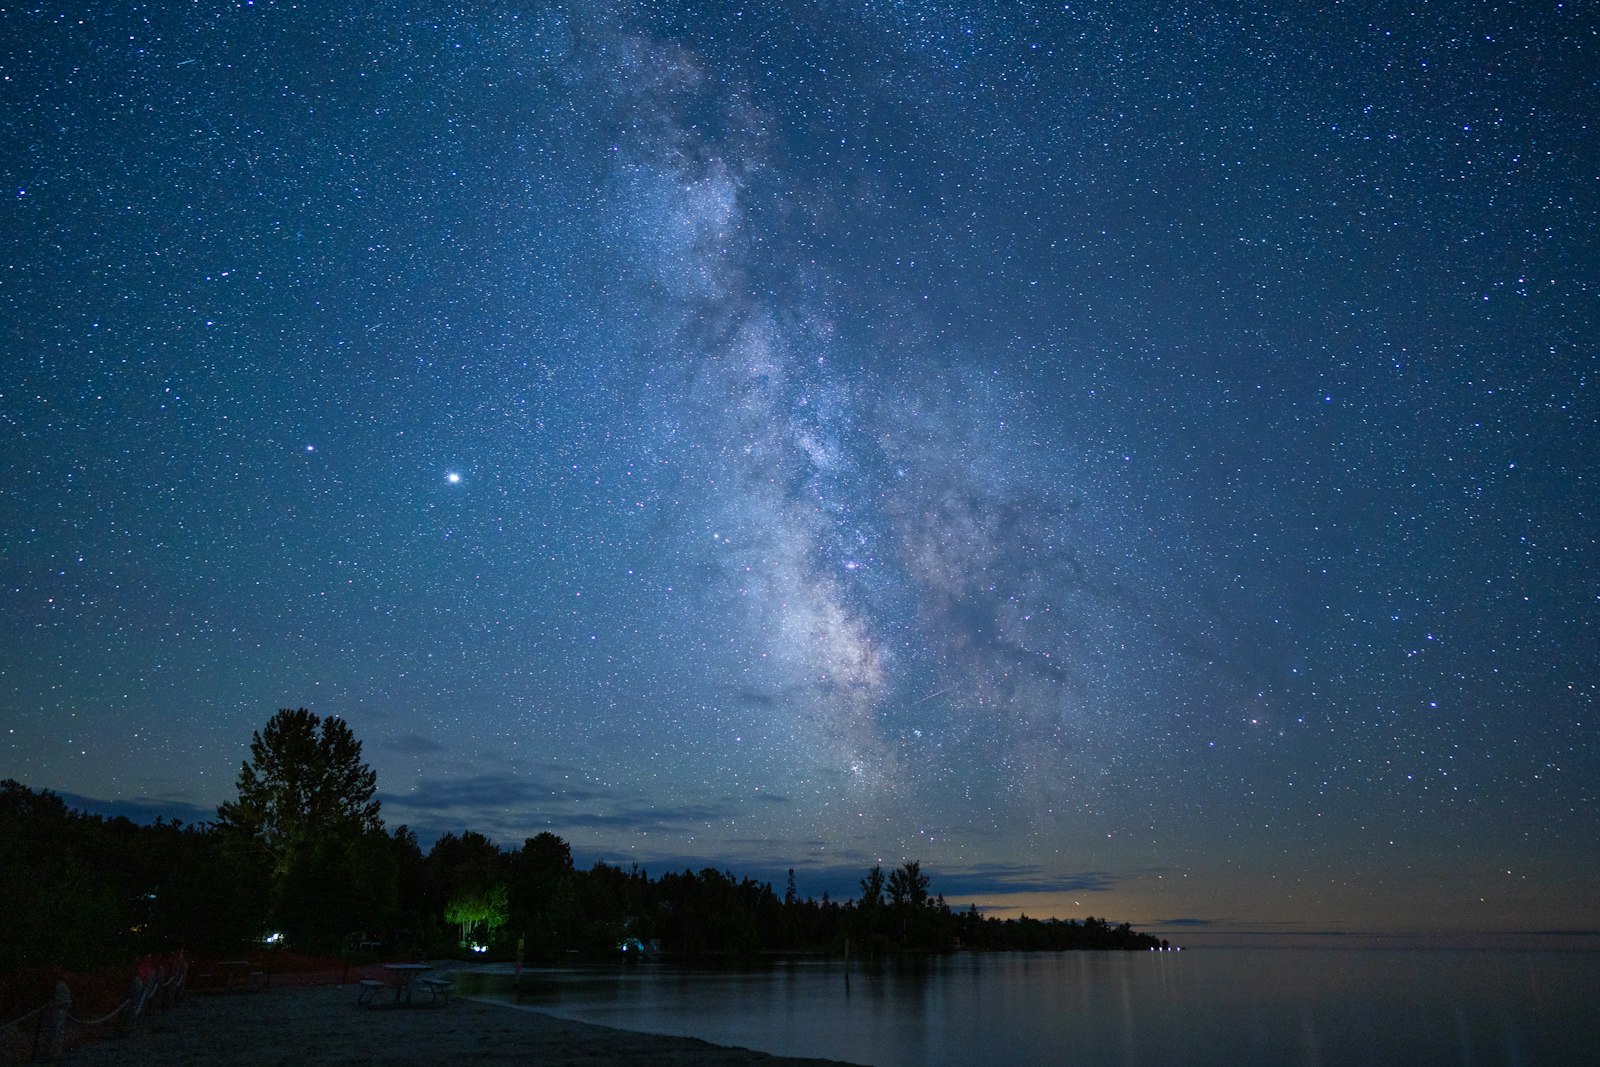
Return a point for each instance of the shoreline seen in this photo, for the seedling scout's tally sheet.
(324, 1025)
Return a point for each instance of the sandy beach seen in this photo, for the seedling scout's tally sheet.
(324, 1025)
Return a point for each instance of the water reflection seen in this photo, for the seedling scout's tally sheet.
(1220, 1006)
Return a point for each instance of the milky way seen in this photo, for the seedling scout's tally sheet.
(1145, 453)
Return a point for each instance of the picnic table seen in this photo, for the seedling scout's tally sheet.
(232, 969)
(403, 975)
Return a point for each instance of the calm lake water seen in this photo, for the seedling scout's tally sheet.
(1212, 1006)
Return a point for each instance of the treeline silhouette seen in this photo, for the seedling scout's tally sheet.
(84, 891)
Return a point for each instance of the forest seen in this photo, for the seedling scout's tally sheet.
(302, 859)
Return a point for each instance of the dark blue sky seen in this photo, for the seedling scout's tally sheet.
(1135, 460)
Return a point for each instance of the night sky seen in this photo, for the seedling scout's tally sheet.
(1137, 460)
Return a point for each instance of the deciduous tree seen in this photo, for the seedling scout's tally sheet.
(308, 815)
(304, 779)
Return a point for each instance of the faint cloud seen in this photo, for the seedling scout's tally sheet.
(411, 745)
(651, 818)
(509, 806)
(142, 810)
(1022, 878)
(498, 789)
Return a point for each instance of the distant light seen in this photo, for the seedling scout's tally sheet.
(273, 939)
(454, 478)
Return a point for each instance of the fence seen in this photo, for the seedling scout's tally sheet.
(45, 1032)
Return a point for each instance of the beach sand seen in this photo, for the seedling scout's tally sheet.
(324, 1025)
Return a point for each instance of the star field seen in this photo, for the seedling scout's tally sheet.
(1139, 452)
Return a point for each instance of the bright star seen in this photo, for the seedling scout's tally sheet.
(453, 478)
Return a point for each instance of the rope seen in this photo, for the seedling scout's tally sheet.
(147, 994)
(24, 1018)
(116, 1011)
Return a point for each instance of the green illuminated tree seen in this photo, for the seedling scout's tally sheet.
(484, 908)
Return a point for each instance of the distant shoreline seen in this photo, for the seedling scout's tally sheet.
(1465, 940)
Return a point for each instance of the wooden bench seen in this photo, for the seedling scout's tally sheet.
(370, 988)
(438, 990)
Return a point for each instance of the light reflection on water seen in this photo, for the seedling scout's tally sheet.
(1216, 1006)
